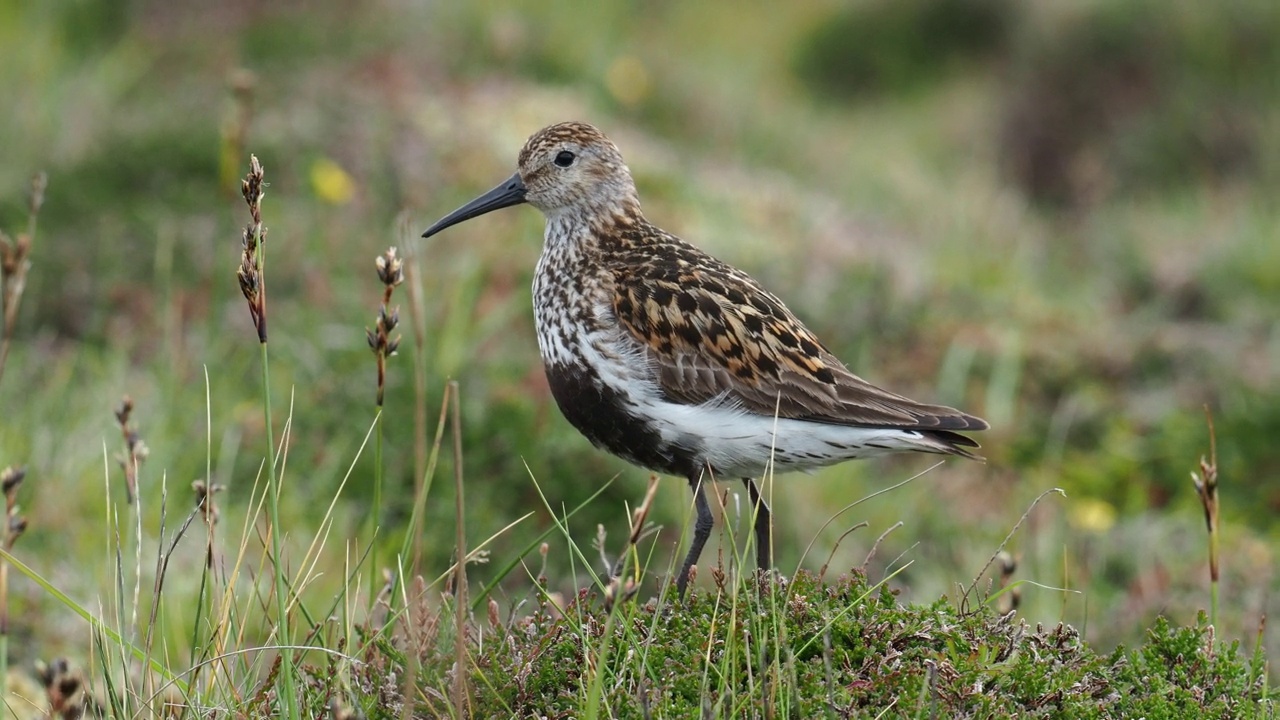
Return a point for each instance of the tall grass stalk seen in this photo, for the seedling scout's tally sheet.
(14, 264)
(1000, 549)
(277, 559)
(418, 325)
(204, 490)
(376, 515)
(391, 273)
(252, 276)
(598, 669)
(623, 585)
(460, 578)
(411, 536)
(14, 525)
(1206, 484)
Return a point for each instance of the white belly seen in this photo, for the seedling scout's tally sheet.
(723, 436)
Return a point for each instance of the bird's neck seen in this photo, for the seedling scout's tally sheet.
(580, 253)
(570, 284)
(587, 221)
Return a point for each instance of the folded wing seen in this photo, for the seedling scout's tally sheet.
(712, 333)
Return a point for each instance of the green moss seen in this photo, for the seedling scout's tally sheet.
(808, 646)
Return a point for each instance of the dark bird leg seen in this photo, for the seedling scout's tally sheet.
(764, 523)
(701, 530)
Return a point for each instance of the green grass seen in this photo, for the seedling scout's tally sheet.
(840, 647)
(1091, 336)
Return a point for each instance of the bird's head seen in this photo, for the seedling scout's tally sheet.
(569, 168)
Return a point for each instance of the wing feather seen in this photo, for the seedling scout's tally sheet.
(713, 334)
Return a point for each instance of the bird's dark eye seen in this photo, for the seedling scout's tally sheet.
(564, 158)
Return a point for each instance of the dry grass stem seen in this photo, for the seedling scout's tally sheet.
(619, 588)
(858, 502)
(875, 547)
(1009, 566)
(162, 569)
(235, 126)
(964, 602)
(135, 450)
(822, 571)
(418, 324)
(14, 525)
(461, 695)
(207, 506)
(1206, 484)
(14, 264)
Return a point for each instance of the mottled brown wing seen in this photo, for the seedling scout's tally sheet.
(713, 332)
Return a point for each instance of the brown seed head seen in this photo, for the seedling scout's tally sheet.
(10, 478)
(390, 268)
(252, 187)
(12, 254)
(17, 526)
(123, 412)
(204, 499)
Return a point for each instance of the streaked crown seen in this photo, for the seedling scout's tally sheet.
(573, 167)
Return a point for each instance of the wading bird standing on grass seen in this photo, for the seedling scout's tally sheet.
(677, 362)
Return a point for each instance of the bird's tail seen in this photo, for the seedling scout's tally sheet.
(945, 442)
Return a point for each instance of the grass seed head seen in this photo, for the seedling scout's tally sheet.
(390, 268)
(135, 449)
(249, 274)
(254, 188)
(11, 478)
(390, 273)
(205, 502)
(12, 254)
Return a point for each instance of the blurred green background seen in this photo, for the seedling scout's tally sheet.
(1058, 215)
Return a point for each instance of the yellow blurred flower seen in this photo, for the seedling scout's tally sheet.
(1092, 514)
(331, 183)
(628, 80)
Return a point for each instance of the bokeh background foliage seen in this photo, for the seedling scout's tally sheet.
(1058, 215)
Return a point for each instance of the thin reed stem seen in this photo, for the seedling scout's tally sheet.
(1206, 484)
(391, 272)
(14, 525)
(460, 577)
(4, 628)
(418, 323)
(14, 264)
(412, 535)
(253, 283)
(287, 682)
(374, 574)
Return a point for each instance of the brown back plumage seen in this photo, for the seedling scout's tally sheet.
(714, 333)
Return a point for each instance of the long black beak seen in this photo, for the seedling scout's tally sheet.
(507, 194)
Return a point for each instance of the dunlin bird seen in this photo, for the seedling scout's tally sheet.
(677, 362)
